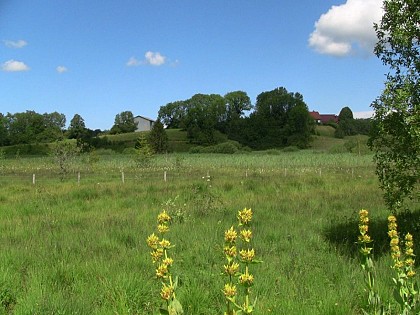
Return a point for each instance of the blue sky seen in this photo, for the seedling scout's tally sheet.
(99, 58)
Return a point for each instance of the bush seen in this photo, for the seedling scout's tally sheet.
(229, 147)
(291, 148)
(27, 149)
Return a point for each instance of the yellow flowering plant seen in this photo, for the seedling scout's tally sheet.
(364, 241)
(160, 247)
(235, 258)
(406, 287)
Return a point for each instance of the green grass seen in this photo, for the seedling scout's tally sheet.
(80, 249)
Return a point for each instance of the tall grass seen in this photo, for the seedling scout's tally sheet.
(79, 249)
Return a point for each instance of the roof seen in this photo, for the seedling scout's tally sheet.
(324, 118)
(329, 117)
(138, 116)
(315, 115)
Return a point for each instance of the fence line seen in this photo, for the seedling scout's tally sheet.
(172, 175)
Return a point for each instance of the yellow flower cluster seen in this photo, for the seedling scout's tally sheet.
(166, 292)
(159, 253)
(229, 290)
(409, 255)
(244, 216)
(246, 279)
(401, 260)
(364, 238)
(247, 255)
(245, 258)
(231, 269)
(394, 243)
(231, 235)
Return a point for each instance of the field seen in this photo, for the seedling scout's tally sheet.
(77, 245)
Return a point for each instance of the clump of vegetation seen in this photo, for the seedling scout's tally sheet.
(64, 153)
(406, 289)
(237, 267)
(160, 256)
(144, 152)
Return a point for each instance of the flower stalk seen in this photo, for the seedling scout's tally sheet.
(237, 267)
(163, 262)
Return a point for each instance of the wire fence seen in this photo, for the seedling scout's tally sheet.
(176, 175)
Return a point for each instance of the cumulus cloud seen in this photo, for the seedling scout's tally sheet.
(14, 66)
(367, 114)
(150, 58)
(154, 58)
(15, 44)
(61, 69)
(347, 29)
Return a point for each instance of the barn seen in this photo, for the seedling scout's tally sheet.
(143, 123)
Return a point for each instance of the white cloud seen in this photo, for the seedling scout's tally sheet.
(61, 69)
(14, 66)
(150, 58)
(347, 29)
(15, 44)
(132, 62)
(154, 58)
(367, 114)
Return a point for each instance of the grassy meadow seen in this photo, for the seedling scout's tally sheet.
(78, 247)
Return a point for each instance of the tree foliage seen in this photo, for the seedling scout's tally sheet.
(77, 127)
(31, 127)
(124, 123)
(396, 136)
(346, 125)
(158, 139)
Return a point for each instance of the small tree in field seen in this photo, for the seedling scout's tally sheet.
(144, 151)
(158, 139)
(64, 153)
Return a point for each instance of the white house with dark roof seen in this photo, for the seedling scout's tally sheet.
(143, 123)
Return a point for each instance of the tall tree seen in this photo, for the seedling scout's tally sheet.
(300, 126)
(77, 127)
(173, 114)
(396, 136)
(4, 136)
(124, 122)
(204, 114)
(346, 125)
(271, 122)
(237, 103)
(158, 138)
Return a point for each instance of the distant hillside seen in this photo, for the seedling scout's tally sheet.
(178, 141)
(324, 140)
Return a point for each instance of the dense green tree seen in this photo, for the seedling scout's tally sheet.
(4, 136)
(77, 127)
(124, 123)
(54, 124)
(300, 126)
(396, 136)
(204, 116)
(346, 125)
(173, 114)
(274, 121)
(158, 139)
(237, 103)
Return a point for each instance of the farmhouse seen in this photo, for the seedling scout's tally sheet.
(323, 118)
(143, 123)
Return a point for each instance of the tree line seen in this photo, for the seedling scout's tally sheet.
(278, 119)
